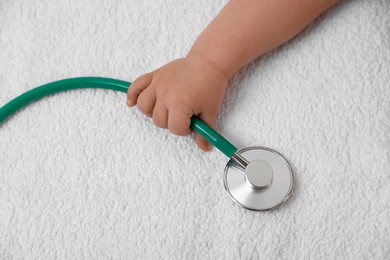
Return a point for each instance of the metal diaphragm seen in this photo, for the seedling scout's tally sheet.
(265, 183)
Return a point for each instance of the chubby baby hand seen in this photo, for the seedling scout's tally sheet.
(174, 93)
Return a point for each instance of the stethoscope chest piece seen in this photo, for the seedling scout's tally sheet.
(265, 183)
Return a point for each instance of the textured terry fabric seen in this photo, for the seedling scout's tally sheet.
(83, 177)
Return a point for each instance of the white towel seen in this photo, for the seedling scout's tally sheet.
(84, 177)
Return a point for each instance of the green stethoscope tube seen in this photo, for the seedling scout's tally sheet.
(106, 83)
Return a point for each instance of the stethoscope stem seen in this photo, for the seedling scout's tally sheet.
(219, 142)
(213, 137)
(240, 160)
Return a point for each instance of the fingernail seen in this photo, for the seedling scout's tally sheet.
(128, 103)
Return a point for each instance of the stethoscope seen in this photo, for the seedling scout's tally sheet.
(256, 178)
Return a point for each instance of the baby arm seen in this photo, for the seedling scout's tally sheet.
(195, 84)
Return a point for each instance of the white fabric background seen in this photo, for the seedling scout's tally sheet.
(82, 176)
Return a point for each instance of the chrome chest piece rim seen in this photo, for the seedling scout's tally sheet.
(264, 184)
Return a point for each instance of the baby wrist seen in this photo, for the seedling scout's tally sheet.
(192, 54)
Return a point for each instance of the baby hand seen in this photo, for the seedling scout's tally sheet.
(174, 93)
